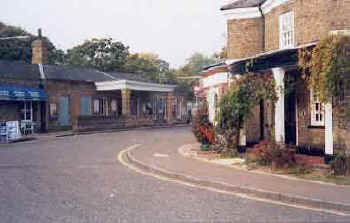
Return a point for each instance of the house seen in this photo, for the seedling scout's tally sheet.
(264, 37)
(52, 97)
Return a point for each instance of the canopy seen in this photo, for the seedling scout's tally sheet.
(12, 93)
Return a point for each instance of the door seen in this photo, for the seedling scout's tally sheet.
(290, 119)
(63, 112)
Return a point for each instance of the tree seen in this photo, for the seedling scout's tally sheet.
(102, 54)
(196, 63)
(21, 49)
(150, 65)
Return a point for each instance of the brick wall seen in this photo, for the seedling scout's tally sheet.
(245, 37)
(309, 136)
(74, 90)
(341, 122)
(312, 19)
(253, 126)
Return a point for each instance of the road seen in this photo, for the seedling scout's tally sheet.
(78, 179)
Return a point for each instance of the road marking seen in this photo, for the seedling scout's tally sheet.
(161, 155)
(240, 195)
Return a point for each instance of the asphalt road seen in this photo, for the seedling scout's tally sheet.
(78, 179)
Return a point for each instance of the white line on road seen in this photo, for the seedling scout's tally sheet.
(120, 158)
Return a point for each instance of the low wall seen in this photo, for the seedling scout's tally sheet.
(100, 123)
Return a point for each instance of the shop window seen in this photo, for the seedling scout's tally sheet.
(101, 106)
(53, 110)
(317, 111)
(286, 30)
(96, 106)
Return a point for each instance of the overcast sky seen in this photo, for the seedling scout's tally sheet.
(174, 29)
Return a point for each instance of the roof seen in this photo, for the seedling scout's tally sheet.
(55, 72)
(130, 76)
(18, 70)
(24, 71)
(242, 4)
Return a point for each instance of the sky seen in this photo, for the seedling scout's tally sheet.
(173, 29)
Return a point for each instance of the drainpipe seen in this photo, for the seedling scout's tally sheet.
(263, 17)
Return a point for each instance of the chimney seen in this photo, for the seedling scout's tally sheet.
(39, 50)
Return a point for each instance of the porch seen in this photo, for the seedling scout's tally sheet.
(130, 104)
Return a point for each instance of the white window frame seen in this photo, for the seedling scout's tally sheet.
(317, 111)
(96, 106)
(53, 109)
(286, 30)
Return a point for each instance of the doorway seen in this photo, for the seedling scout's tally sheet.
(290, 114)
(63, 116)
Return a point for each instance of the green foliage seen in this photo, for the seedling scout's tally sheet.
(341, 164)
(235, 106)
(150, 64)
(326, 66)
(195, 64)
(21, 49)
(102, 54)
(205, 147)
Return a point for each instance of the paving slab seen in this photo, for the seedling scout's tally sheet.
(329, 196)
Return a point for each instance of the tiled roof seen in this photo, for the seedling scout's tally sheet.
(23, 71)
(242, 4)
(18, 70)
(54, 72)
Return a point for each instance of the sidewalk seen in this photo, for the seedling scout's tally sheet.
(165, 159)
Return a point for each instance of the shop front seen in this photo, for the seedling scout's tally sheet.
(22, 111)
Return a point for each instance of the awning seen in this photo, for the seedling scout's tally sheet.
(12, 93)
(268, 60)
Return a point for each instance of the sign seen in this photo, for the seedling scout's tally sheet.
(3, 132)
(12, 130)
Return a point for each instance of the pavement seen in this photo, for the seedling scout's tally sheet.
(79, 179)
(166, 160)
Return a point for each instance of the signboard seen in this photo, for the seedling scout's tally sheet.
(12, 130)
(3, 132)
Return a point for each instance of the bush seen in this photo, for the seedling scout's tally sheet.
(203, 129)
(275, 155)
(341, 164)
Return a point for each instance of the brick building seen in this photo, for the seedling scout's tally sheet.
(60, 97)
(264, 37)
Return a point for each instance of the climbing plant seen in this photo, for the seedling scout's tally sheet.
(236, 105)
(327, 66)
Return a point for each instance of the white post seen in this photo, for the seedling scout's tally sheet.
(278, 75)
(328, 129)
(25, 110)
(242, 137)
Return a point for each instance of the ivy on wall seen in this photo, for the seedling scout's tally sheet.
(327, 66)
(236, 105)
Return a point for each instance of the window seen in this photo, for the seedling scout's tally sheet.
(101, 106)
(114, 105)
(53, 110)
(317, 111)
(286, 30)
(85, 105)
(96, 106)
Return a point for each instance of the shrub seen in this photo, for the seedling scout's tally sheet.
(341, 164)
(202, 128)
(275, 155)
